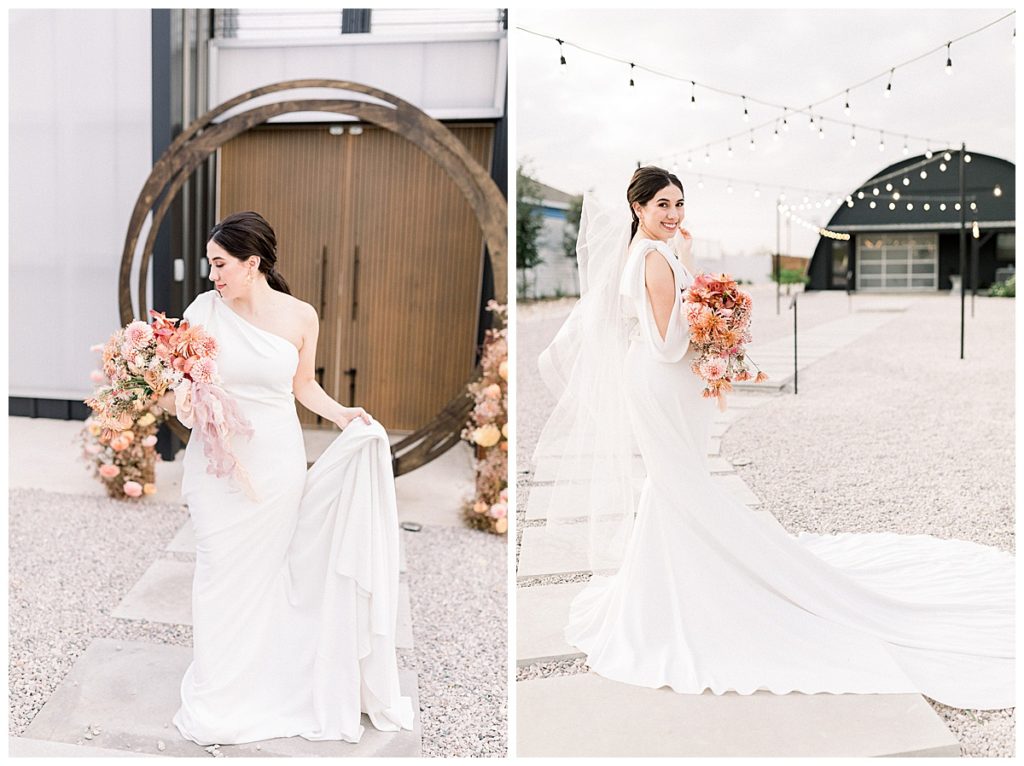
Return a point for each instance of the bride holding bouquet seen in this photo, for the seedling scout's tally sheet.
(690, 589)
(295, 594)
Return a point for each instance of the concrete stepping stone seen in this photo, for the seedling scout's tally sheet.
(586, 715)
(560, 549)
(542, 612)
(185, 539)
(22, 747)
(164, 594)
(131, 690)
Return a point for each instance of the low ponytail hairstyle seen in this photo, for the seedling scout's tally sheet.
(246, 234)
(645, 183)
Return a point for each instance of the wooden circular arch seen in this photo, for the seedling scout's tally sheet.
(203, 137)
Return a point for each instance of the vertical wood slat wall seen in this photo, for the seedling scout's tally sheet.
(419, 247)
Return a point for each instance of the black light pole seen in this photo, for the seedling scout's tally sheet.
(963, 245)
(778, 240)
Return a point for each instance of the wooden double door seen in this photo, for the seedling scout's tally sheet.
(373, 233)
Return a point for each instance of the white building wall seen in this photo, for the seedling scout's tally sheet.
(80, 150)
(448, 75)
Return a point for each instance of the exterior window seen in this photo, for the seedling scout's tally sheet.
(898, 262)
(840, 263)
(1006, 248)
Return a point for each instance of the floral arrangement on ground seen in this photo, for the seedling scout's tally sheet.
(487, 430)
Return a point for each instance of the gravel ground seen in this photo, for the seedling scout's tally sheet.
(73, 558)
(459, 592)
(885, 435)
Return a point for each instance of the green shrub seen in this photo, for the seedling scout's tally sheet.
(1006, 289)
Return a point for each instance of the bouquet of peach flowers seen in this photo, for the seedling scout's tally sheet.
(141, 362)
(718, 314)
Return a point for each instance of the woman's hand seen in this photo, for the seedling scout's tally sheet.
(166, 402)
(348, 414)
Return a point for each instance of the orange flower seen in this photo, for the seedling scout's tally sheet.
(761, 377)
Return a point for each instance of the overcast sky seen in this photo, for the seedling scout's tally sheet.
(583, 129)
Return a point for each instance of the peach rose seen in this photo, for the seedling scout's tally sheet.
(133, 489)
(149, 488)
(503, 370)
(119, 443)
(493, 391)
(501, 526)
(149, 441)
(109, 471)
(487, 436)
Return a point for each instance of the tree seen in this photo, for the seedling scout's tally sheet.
(528, 220)
(572, 226)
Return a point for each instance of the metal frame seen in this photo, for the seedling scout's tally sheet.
(204, 136)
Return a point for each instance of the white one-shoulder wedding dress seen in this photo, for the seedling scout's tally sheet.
(294, 601)
(710, 597)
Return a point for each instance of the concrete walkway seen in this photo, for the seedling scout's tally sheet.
(571, 713)
(132, 687)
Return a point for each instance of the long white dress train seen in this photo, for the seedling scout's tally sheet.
(710, 597)
(295, 596)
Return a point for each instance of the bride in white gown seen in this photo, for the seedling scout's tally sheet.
(698, 593)
(294, 601)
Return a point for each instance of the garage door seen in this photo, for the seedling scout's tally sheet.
(898, 262)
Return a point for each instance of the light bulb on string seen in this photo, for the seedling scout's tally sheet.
(974, 230)
(689, 161)
(872, 204)
(949, 61)
(693, 94)
(956, 206)
(846, 107)
(998, 191)
(924, 174)
(632, 84)
(888, 88)
(746, 114)
(881, 141)
(927, 206)
(849, 203)
(821, 128)
(563, 68)
(675, 167)
(752, 146)
(775, 134)
(757, 192)
(942, 166)
(906, 149)
(700, 182)
(810, 125)
(974, 206)
(906, 181)
(927, 154)
(729, 187)
(785, 122)
(853, 136)
(896, 195)
(875, 191)
(942, 206)
(892, 205)
(728, 149)
(707, 157)
(947, 156)
(888, 187)
(860, 194)
(967, 158)
(910, 206)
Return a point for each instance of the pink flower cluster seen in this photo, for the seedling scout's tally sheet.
(718, 314)
(487, 429)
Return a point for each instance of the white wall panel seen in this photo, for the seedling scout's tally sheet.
(456, 76)
(80, 150)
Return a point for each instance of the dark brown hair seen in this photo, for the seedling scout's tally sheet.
(248, 233)
(646, 182)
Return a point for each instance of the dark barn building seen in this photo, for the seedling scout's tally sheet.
(909, 238)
